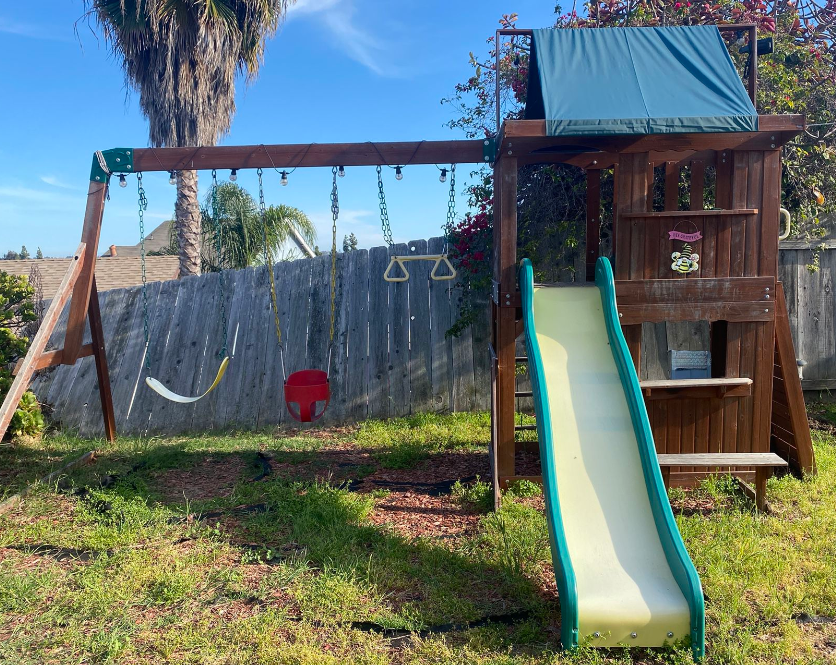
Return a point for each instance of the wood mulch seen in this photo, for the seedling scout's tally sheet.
(419, 502)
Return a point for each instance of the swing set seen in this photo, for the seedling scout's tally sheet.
(307, 392)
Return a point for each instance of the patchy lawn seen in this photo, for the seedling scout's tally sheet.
(364, 545)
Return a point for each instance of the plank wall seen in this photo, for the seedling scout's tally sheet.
(741, 319)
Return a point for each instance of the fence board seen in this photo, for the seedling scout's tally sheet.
(336, 412)
(442, 346)
(271, 409)
(246, 404)
(464, 397)
(378, 334)
(398, 341)
(232, 385)
(420, 333)
(357, 323)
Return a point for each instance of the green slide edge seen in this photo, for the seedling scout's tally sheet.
(564, 573)
(680, 563)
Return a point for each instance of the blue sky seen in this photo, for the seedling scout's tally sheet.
(339, 70)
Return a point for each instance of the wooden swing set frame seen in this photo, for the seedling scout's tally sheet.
(78, 288)
(727, 299)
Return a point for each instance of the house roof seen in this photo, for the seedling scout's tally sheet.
(111, 272)
(158, 239)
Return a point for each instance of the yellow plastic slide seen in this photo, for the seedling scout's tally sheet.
(623, 574)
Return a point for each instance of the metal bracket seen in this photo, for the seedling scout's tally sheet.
(495, 291)
(489, 150)
(117, 160)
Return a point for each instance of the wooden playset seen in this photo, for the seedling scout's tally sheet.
(716, 263)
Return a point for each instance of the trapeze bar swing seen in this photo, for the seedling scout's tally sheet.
(155, 384)
(401, 261)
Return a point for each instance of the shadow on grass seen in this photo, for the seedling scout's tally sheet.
(320, 547)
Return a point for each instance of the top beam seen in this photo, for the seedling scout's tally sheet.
(290, 156)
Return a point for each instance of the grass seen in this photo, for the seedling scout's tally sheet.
(116, 563)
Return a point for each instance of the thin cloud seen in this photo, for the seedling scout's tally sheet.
(56, 182)
(338, 16)
(32, 31)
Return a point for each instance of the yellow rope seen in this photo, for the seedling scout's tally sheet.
(273, 293)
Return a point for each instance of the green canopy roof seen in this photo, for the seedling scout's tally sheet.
(593, 82)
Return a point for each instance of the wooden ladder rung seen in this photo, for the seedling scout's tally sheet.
(520, 428)
(524, 393)
(521, 359)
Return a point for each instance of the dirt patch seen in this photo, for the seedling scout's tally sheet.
(695, 503)
(822, 637)
(419, 502)
(211, 478)
(334, 465)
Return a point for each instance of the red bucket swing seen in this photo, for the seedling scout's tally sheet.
(304, 389)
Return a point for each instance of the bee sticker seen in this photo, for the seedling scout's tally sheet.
(685, 261)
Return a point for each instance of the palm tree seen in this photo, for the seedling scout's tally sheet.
(234, 219)
(182, 56)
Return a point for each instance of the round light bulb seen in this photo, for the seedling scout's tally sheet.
(172, 178)
(233, 176)
(398, 173)
(284, 179)
(341, 172)
(122, 181)
(443, 176)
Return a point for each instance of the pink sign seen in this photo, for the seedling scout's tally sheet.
(686, 237)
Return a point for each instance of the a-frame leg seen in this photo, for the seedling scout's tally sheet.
(36, 349)
(78, 281)
(94, 316)
(790, 428)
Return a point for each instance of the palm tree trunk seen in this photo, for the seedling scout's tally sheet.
(187, 215)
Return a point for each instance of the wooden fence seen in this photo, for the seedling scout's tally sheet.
(391, 356)
(811, 304)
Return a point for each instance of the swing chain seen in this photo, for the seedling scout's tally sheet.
(451, 208)
(219, 252)
(335, 213)
(384, 212)
(143, 206)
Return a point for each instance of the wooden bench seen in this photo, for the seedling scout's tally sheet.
(763, 463)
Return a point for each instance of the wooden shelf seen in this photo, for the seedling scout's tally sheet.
(689, 213)
(696, 388)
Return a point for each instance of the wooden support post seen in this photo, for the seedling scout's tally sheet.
(27, 369)
(96, 195)
(505, 265)
(593, 221)
(95, 318)
(762, 474)
(666, 476)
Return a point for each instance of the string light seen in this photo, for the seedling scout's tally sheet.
(398, 173)
(443, 176)
(233, 176)
(284, 179)
(122, 181)
(341, 172)
(172, 178)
